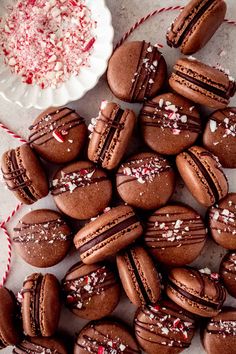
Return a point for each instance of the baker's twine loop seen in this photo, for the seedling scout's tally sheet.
(22, 140)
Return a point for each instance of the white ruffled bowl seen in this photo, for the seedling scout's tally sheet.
(14, 90)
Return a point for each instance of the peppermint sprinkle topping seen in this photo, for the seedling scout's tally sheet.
(147, 170)
(46, 42)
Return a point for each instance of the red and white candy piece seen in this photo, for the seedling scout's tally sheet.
(101, 350)
(215, 276)
(58, 136)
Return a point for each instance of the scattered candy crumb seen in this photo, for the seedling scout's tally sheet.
(46, 42)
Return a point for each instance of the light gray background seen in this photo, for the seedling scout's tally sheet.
(125, 13)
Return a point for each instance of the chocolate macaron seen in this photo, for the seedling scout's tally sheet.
(203, 175)
(220, 333)
(175, 235)
(220, 134)
(202, 83)
(108, 234)
(197, 292)
(9, 327)
(145, 181)
(169, 123)
(40, 345)
(42, 238)
(40, 305)
(139, 276)
(58, 134)
(24, 174)
(196, 24)
(86, 287)
(228, 272)
(222, 222)
(111, 132)
(164, 328)
(105, 337)
(81, 190)
(136, 71)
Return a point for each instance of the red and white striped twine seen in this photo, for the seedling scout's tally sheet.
(22, 140)
(9, 253)
(10, 132)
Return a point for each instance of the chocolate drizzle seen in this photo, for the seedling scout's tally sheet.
(146, 71)
(143, 170)
(205, 173)
(130, 254)
(228, 266)
(223, 220)
(162, 118)
(103, 340)
(75, 179)
(42, 130)
(222, 92)
(201, 299)
(179, 230)
(44, 231)
(17, 176)
(26, 347)
(118, 227)
(222, 327)
(113, 127)
(165, 326)
(80, 291)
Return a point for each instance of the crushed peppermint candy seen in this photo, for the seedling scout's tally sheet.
(205, 271)
(224, 327)
(47, 231)
(46, 42)
(81, 290)
(146, 169)
(168, 115)
(228, 124)
(73, 180)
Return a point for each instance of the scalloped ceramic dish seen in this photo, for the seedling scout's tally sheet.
(14, 90)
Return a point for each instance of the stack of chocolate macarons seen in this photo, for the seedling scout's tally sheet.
(132, 235)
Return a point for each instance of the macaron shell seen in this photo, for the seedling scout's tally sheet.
(120, 138)
(204, 73)
(187, 235)
(219, 136)
(83, 202)
(205, 28)
(45, 253)
(150, 193)
(222, 222)
(34, 173)
(157, 331)
(201, 286)
(124, 64)
(47, 303)
(106, 291)
(145, 270)
(49, 299)
(115, 242)
(28, 321)
(228, 272)
(218, 343)
(53, 150)
(9, 333)
(163, 139)
(102, 332)
(196, 180)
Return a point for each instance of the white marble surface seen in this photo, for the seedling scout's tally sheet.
(125, 13)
